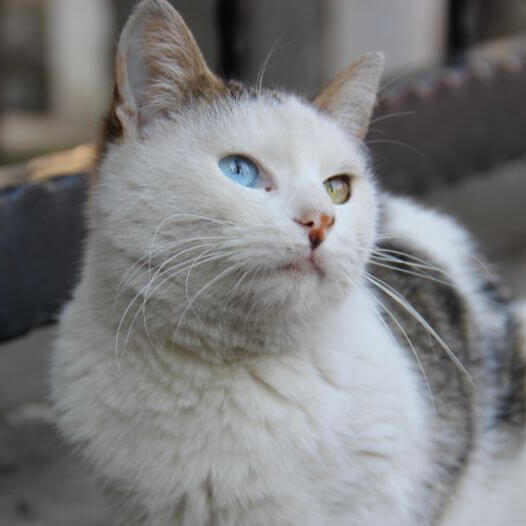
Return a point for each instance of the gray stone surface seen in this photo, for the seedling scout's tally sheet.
(41, 482)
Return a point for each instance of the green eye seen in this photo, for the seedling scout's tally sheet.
(338, 188)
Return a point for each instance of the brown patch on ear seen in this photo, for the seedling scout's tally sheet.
(350, 97)
(175, 62)
(324, 100)
(159, 67)
(194, 77)
(206, 88)
(112, 128)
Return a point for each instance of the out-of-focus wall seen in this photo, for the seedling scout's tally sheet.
(312, 40)
(412, 33)
(56, 55)
(280, 40)
(22, 55)
(56, 67)
(56, 73)
(80, 39)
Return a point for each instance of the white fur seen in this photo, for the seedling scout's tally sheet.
(317, 420)
(320, 419)
(491, 490)
(306, 437)
(205, 368)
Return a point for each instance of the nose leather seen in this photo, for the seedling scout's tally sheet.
(316, 237)
(318, 227)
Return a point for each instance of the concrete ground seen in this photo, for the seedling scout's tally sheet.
(43, 484)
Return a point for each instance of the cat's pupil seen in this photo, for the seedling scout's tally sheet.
(235, 167)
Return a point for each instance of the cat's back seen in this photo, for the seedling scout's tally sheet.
(442, 303)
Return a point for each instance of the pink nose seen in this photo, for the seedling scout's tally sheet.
(318, 226)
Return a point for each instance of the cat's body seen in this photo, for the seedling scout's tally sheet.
(247, 372)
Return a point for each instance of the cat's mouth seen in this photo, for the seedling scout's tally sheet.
(308, 265)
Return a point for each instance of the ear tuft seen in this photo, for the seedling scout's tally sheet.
(351, 96)
(158, 66)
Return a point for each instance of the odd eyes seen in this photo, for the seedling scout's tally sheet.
(243, 171)
(240, 169)
(338, 188)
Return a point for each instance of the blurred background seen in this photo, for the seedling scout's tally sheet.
(56, 55)
(450, 128)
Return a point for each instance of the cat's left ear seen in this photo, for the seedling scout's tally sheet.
(351, 96)
(158, 66)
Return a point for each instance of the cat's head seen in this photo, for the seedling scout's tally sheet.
(247, 203)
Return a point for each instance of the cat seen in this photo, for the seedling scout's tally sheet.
(260, 335)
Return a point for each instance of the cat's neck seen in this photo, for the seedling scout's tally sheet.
(235, 334)
(219, 334)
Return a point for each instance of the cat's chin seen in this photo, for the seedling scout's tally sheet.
(305, 266)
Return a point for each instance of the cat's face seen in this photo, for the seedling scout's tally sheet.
(240, 198)
(173, 175)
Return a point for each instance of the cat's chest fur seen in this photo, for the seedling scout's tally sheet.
(303, 437)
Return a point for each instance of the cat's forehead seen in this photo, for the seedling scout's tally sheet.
(279, 126)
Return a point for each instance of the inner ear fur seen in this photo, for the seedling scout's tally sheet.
(158, 67)
(350, 97)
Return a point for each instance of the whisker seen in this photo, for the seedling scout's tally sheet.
(187, 281)
(161, 224)
(150, 293)
(396, 143)
(386, 237)
(254, 303)
(229, 296)
(146, 294)
(273, 49)
(404, 333)
(200, 291)
(392, 80)
(485, 268)
(158, 251)
(212, 257)
(412, 273)
(397, 261)
(404, 303)
(175, 256)
(424, 264)
(144, 290)
(391, 116)
(178, 216)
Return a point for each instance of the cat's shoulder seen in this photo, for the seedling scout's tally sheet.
(437, 237)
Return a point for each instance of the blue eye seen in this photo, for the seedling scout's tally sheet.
(240, 169)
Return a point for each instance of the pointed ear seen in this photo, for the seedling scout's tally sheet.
(158, 66)
(350, 97)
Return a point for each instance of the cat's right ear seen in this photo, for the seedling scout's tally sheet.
(158, 66)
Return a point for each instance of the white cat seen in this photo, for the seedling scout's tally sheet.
(228, 359)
